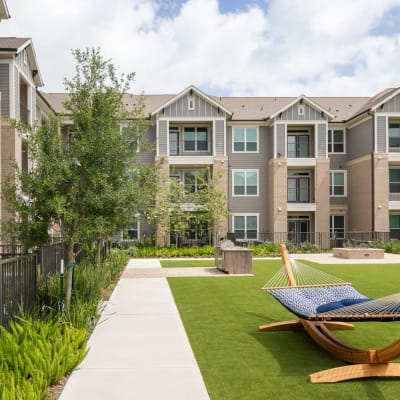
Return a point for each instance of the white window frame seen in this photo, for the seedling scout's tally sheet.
(245, 139)
(301, 109)
(331, 172)
(245, 186)
(191, 103)
(331, 131)
(25, 57)
(257, 215)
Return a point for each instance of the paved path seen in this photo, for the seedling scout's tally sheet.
(139, 350)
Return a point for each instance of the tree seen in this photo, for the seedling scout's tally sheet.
(89, 180)
(180, 209)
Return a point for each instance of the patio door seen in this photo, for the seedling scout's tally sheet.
(299, 229)
(174, 143)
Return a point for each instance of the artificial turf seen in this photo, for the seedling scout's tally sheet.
(221, 317)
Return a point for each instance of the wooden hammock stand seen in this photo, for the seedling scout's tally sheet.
(366, 363)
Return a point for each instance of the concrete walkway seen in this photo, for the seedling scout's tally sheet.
(139, 350)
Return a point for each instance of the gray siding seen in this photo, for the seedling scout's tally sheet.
(24, 67)
(219, 137)
(148, 157)
(202, 108)
(280, 131)
(5, 90)
(322, 140)
(249, 204)
(338, 161)
(360, 139)
(162, 137)
(393, 105)
(268, 133)
(310, 114)
(16, 93)
(381, 133)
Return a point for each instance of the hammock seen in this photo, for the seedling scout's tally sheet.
(320, 296)
(322, 301)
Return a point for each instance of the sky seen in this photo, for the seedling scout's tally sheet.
(223, 47)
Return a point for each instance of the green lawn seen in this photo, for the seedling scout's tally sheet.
(186, 263)
(222, 315)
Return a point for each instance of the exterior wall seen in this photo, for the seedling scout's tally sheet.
(280, 139)
(360, 139)
(5, 89)
(393, 105)
(250, 160)
(359, 194)
(11, 152)
(219, 134)
(381, 193)
(277, 195)
(202, 108)
(322, 196)
(162, 238)
(148, 157)
(220, 171)
(322, 140)
(310, 114)
(162, 137)
(381, 133)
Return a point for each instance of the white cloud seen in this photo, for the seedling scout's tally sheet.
(315, 47)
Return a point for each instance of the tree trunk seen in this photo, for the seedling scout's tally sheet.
(98, 251)
(70, 263)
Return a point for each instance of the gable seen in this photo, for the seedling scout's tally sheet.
(391, 106)
(201, 107)
(310, 113)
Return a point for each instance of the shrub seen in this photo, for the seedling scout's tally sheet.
(36, 354)
(166, 252)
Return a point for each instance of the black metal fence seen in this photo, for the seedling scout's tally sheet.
(322, 240)
(18, 283)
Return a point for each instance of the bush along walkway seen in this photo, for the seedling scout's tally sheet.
(139, 350)
(43, 346)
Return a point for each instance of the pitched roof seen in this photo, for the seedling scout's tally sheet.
(191, 89)
(4, 14)
(342, 109)
(16, 45)
(13, 44)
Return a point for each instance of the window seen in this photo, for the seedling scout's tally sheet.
(335, 141)
(195, 139)
(394, 223)
(194, 180)
(190, 103)
(337, 185)
(394, 180)
(245, 139)
(133, 231)
(298, 188)
(245, 226)
(394, 136)
(25, 57)
(245, 183)
(300, 109)
(298, 146)
(337, 227)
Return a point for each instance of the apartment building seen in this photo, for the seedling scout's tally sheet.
(293, 168)
(19, 79)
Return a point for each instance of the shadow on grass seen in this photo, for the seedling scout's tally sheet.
(297, 354)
